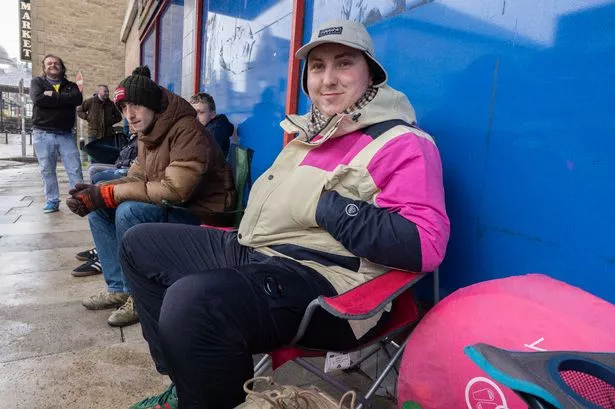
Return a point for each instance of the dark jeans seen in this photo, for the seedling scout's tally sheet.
(206, 304)
(102, 150)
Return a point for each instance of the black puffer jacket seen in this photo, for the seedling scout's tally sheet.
(55, 112)
(222, 130)
(128, 154)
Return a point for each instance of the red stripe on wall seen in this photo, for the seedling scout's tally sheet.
(292, 92)
(198, 34)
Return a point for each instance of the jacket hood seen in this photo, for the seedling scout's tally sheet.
(387, 104)
(221, 124)
(174, 108)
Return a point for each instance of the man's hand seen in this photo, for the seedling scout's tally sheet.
(76, 206)
(78, 188)
(48, 93)
(87, 198)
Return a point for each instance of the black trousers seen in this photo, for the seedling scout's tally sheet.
(206, 304)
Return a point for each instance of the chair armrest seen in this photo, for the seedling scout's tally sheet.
(361, 302)
(371, 297)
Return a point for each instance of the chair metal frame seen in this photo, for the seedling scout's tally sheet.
(339, 306)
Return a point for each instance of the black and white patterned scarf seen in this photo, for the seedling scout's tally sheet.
(318, 120)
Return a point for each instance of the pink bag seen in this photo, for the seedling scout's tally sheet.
(524, 313)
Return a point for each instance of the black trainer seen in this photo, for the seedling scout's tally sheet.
(88, 255)
(89, 268)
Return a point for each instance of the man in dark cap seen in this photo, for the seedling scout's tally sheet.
(175, 153)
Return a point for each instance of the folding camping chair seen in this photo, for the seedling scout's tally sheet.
(365, 301)
(239, 159)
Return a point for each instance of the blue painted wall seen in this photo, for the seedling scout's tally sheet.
(245, 68)
(518, 94)
(520, 97)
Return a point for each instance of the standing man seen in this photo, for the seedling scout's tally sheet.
(53, 117)
(100, 113)
(218, 125)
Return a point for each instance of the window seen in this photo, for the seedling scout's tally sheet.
(148, 49)
(171, 47)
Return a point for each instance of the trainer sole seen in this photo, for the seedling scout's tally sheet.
(103, 307)
(124, 324)
(80, 274)
(81, 258)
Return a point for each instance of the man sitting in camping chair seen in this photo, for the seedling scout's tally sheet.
(357, 192)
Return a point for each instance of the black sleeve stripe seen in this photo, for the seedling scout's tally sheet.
(378, 129)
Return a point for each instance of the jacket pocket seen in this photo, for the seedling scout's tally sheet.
(352, 182)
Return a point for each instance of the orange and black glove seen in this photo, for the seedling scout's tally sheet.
(87, 198)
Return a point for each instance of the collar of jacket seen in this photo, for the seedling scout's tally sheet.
(98, 101)
(63, 80)
(173, 109)
(388, 104)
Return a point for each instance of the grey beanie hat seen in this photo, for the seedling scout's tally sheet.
(348, 33)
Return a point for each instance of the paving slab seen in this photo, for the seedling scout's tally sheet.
(80, 239)
(17, 262)
(14, 201)
(48, 288)
(39, 330)
(43, 226)
(113, 376)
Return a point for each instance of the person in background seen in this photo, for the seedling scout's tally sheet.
(100, 113)
(123, 159)
(54, 100)
(358, 192)
(217, 124)
(175, 155)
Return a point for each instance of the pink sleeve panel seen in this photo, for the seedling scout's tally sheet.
(408, 172)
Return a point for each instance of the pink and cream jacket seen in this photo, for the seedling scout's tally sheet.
(351, 205)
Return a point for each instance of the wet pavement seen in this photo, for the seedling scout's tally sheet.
(53, 352)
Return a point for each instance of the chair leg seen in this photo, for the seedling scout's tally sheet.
(262, 365)
(386, 370)
(384, 345)
(332, 381)
(365, 355)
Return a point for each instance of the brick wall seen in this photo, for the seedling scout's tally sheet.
(85, 34)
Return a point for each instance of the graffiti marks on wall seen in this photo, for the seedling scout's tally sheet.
(365, 11)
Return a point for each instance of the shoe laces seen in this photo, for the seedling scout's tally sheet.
(292, 397)
(152, 401)
(128, 306)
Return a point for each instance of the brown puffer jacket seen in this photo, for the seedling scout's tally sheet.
(173, 156)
